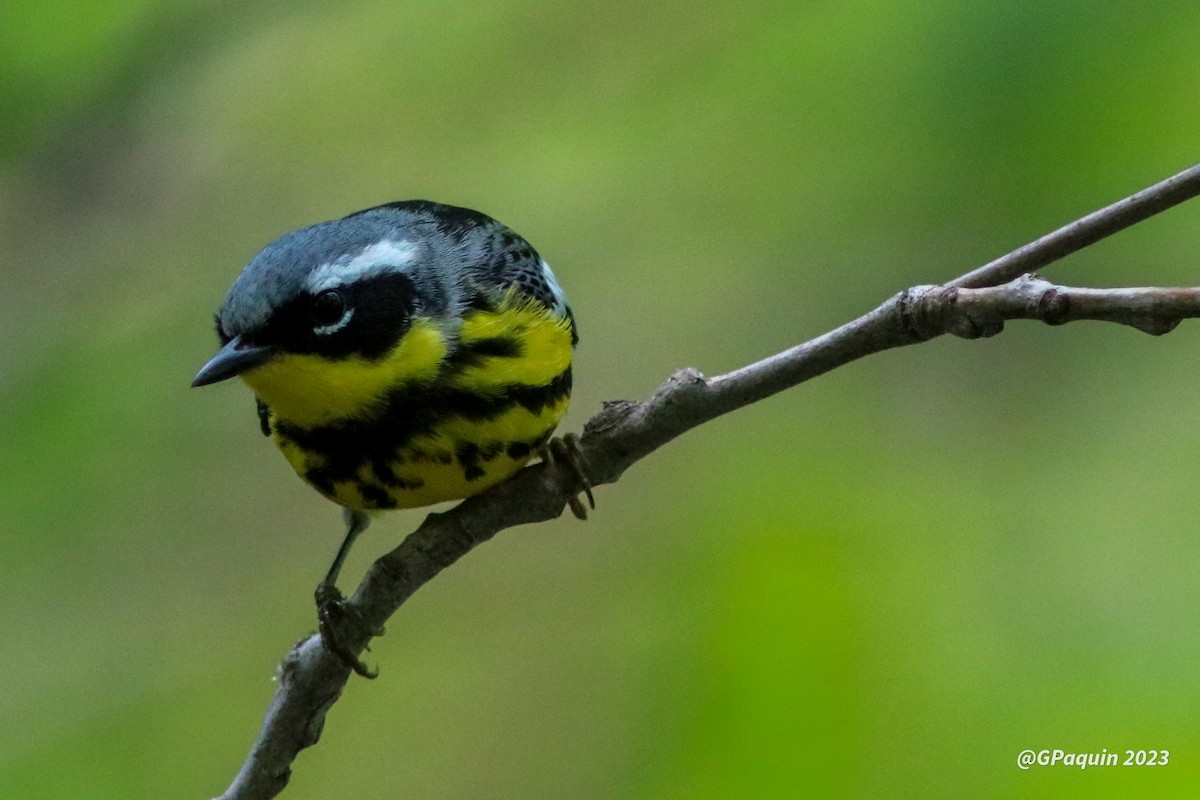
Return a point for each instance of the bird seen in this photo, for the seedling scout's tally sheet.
(401, 356)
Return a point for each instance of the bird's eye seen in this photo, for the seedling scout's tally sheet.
(327, 308)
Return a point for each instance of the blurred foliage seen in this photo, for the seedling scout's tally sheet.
(885, 583)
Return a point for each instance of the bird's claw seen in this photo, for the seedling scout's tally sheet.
(566, 450)
(333, 615)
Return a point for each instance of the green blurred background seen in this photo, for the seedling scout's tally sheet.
(887, 582)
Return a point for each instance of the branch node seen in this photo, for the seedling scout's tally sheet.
(683, 384)
(930, 311)
(1053, 307)
(686, 378)
(613, 413)
(922, 310)
(975, 328)
(1154, 326)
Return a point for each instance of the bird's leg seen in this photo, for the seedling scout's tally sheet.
(567, 451)
(332, 611)
(356, 523)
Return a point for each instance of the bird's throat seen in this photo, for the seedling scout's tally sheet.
(312, 390)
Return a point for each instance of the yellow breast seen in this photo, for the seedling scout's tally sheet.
(443, 415)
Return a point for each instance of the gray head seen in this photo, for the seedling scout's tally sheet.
(354, 285)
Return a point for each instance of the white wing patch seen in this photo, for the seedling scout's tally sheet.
(376, 259)
(560, 299)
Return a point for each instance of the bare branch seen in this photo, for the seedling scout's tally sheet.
(971, 313)
(312, 679)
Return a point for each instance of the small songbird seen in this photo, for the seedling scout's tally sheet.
(401, 356)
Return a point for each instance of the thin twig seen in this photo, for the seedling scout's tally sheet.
(1088, 230)
(311, 679)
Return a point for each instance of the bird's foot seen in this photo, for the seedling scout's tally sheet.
(334, 614)
(566, 450)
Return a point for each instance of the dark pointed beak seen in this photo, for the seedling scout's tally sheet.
(233, 359)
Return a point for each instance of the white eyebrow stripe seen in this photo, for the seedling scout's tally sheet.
(376, 259)
(560, 298)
